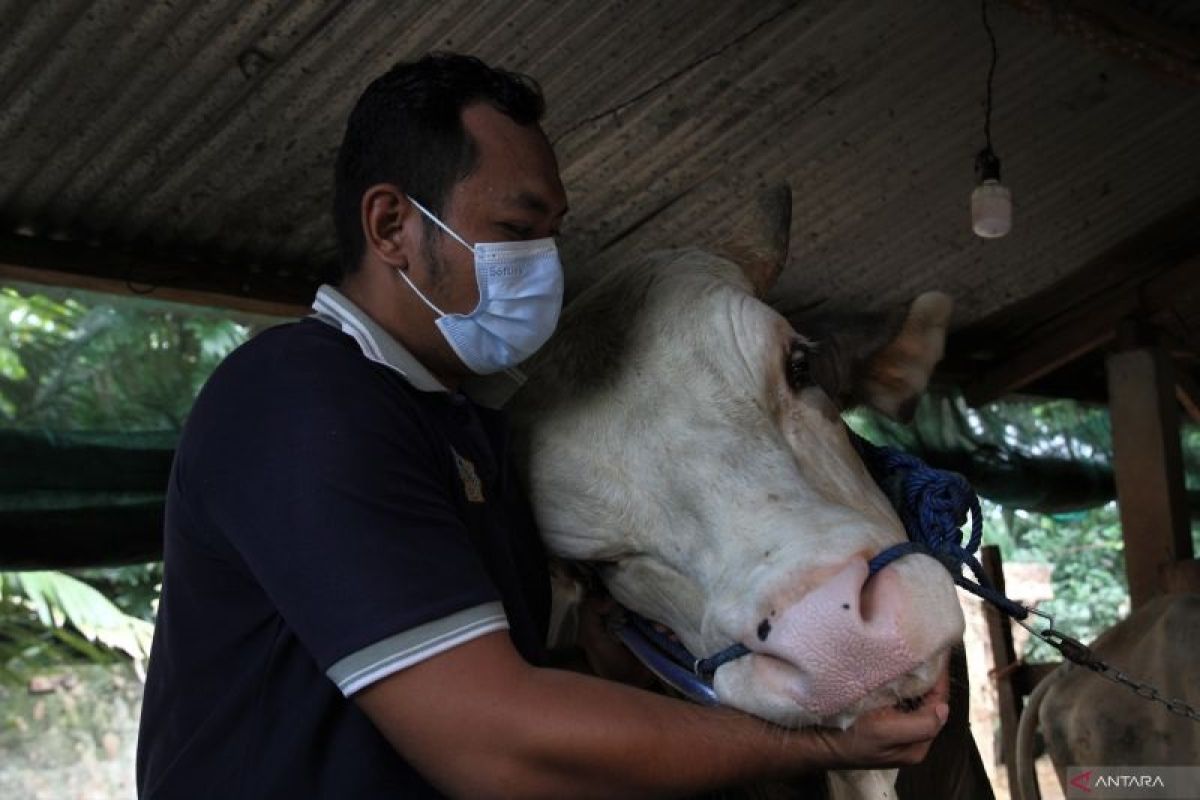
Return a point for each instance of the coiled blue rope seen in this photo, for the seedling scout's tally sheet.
(932, 504)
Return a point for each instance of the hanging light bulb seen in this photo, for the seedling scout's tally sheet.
(991, 201)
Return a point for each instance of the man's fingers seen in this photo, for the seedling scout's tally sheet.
(940, 693)
(893, 736)
(905, 727)
(920, 725)
(938, 698)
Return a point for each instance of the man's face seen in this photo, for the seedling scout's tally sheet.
(513, 194)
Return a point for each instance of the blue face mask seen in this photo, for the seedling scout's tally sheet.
(520, 298)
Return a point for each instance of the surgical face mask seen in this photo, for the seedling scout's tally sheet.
(520, 297)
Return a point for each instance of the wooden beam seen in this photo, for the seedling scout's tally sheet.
(1182, 577)
(1024, 341)
(1085, 327)
(1027, 676)
(1183, 354)
(1118, 29)
(1055, 348)
(1004, 663)
(1188, 394)
(1148, 464)
(1082, 381)
(98, 269)
(1176, 347)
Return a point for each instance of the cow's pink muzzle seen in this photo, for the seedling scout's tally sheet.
(845, 639)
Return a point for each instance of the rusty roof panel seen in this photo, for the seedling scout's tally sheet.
(207, 130)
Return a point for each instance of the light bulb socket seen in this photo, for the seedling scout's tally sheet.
(987, 166)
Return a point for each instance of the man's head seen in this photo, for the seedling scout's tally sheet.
(407, 129)
(462, 140)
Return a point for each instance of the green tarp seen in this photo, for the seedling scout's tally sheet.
(77, 499)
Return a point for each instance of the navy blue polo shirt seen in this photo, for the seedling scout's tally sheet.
(333, 515)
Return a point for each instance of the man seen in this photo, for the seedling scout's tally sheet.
(355, 600)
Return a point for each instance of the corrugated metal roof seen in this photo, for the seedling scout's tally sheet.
(208, 129)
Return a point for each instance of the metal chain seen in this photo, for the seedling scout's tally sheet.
(1079, 653)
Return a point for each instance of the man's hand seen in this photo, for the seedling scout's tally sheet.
(889, 737)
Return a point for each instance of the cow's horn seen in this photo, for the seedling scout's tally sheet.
(759, 243)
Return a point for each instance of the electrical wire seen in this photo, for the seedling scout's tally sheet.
(987, 118)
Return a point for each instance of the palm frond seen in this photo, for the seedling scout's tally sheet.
(59, 600)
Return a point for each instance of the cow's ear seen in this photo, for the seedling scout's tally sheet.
(893, 378)
(881, 359)
(758, 242)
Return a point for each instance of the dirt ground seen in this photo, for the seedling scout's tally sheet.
(70, 735)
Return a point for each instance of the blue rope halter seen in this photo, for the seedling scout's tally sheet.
(932, 504)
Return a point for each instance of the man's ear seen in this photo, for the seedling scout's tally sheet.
(881, 360)
(387, 218)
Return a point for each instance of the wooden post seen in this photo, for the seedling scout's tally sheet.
(1182, 577)
(1148, 463)
(1004, 659)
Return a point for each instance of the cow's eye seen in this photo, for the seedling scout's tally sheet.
(797, 367)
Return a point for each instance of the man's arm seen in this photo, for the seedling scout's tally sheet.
(478, 721)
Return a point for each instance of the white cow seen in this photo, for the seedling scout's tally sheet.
(1089, 721)
(673, 435)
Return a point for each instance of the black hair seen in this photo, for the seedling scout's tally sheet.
(406, 129)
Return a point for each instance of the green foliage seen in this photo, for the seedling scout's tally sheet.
(1047, 427)
(74, 362)
(67, 365)
(48, 618)
(1085, 548)
(133, 589)
(1085, 551)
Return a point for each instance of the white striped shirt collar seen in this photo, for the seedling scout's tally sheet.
(334, 308)
(377, 344)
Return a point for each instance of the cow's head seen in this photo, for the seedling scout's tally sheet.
(682, 436)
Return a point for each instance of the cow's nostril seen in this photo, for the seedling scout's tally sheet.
(764, 630)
